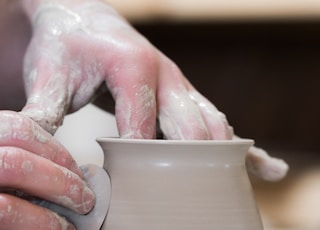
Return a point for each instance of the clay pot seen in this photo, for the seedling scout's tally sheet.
(172, 185)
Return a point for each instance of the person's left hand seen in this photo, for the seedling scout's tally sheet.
(34, 165)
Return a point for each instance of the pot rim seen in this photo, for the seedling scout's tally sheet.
(240, 141)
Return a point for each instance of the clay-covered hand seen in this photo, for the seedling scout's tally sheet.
(34, 165)
(80, 45)
(77, 46)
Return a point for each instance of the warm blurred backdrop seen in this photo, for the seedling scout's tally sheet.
(144, 10)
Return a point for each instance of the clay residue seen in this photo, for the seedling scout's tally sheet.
(27, 167)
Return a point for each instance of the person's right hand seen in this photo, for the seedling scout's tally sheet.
(34, 164)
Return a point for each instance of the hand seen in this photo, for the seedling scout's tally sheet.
(75, 50)
(34, 164)
(80, 45)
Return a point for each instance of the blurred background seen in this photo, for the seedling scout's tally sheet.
(259, 62)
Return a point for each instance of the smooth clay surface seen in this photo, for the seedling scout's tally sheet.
(166, 184)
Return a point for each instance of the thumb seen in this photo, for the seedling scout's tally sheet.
(262, 165)
(259, 163)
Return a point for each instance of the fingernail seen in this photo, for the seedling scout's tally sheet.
(71, 227)
(88, 200)
(64, 223)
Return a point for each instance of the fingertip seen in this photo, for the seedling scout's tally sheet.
(268, 168)
(279, 170)
(215, 120)
(88, 200)
(177, 124)
(63, 222)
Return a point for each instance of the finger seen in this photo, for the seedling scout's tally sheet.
(20, 131)
(40, 177)
(133, 85)
(20, 214)
(260, 164)
(215, 120)
(180, 117)
(46, 79)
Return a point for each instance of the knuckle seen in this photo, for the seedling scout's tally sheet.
(138, 50)
(14, 126)
(7, 124)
